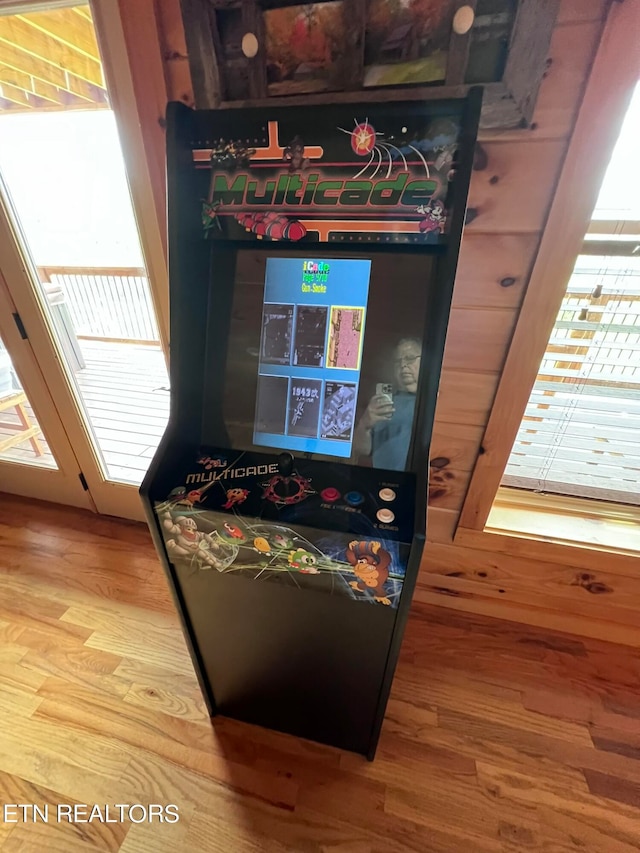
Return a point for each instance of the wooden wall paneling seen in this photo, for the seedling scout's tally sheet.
(203, 61)
(174, 52)
(563, 621)
(493, 270)
(605, 103)
(571, 54)
(511, 591)
(511, 195)
(465, 398)
(457, 444)
(447, 487)
(478, 338)
(454, 448)
(441, 524)
(592, 559)
(599, 593)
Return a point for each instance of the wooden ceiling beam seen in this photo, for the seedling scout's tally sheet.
(70, 30)
(83, 12)
(21, 36)
(39, 105)
(31, 86)
(14, 95)
(35, 67)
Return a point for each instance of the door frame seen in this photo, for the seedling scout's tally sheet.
(49, 389)
(142, 140)
(61, 484)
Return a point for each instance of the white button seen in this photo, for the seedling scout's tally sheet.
(385, 515)
(463, 20)
(250, 45)
(387, 494)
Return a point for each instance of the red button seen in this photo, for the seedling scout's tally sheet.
(330, 494)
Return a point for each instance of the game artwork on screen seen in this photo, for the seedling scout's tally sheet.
(313, 324)
(323, 355)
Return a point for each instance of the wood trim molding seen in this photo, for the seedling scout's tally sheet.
(591, 558)
(603, 108)
(137, 90)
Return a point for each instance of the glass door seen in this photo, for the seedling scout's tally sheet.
(36, 457)
(75, 264)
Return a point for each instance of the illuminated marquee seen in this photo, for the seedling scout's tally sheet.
(389, 184)
(291, 191)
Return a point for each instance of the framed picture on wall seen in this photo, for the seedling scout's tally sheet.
(251, 51)
(407, 41)
(305, 48)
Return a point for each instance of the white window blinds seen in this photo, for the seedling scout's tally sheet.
(580, 434)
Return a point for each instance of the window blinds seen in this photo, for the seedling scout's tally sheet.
(580, 434)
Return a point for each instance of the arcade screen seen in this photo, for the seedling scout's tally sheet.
(313, 325)
(313, 339)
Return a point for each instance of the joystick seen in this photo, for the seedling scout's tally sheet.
(287, 487)
(285, 464)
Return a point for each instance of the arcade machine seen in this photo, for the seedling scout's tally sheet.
(312, 258)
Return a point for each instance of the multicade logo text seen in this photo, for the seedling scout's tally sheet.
(291, 190)
(232, 473)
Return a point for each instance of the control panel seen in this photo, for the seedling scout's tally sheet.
(278, 487)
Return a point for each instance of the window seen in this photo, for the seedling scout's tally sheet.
(580, 435)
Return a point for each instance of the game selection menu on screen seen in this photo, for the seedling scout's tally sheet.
(313, 324)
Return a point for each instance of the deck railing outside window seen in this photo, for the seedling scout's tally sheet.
(104, 303)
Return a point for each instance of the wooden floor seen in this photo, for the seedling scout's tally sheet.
(497, 738)
(124, 387)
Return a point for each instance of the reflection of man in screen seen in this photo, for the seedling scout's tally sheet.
(384, 431)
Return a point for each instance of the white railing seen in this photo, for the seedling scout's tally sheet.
(106, 303)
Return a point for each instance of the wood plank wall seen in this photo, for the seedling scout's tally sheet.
(544, 584)
(510, 195)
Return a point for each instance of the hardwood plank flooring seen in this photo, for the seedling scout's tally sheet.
(498, 737)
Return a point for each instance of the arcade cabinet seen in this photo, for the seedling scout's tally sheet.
(312, 256)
